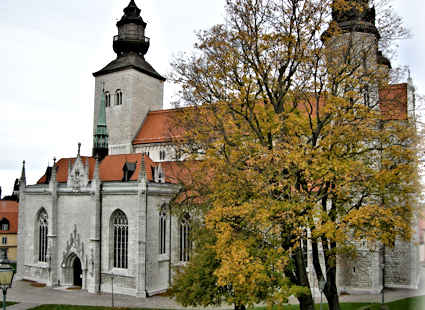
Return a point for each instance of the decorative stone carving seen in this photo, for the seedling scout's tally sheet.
(78, 175)
(76, 246)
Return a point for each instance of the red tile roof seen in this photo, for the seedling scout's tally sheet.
(158, 125)
(158, 128)
(110, 168)
(9, 210)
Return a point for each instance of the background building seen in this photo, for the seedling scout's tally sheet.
(9, 228)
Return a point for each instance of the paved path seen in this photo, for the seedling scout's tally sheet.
(30, 296)
(22, 306)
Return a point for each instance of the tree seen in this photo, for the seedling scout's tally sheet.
(196, 283)
(295, 148)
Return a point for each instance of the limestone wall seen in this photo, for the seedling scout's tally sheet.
(140, 94)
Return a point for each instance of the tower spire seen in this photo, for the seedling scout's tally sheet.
(131, 33)
(354, 16)
(23, 179)
(100, 138)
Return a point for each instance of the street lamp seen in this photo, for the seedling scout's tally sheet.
(6, 276)
(322, 284)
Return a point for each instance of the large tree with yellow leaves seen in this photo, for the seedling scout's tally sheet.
(288, 146)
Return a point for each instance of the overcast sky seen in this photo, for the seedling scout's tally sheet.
(50, 48)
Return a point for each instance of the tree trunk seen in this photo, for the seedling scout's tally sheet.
(331, 291)
(329, 255)
(306, 300)
(239, 307)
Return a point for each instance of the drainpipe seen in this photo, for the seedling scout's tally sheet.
(383, 275)
(100, 238)
(169, 250)
(146, 237)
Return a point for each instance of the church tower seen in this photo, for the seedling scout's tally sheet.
(353, 30)
(131, 86)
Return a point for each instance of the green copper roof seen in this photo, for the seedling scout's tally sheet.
(101, 120)
(101, 135)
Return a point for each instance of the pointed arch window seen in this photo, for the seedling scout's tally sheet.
(162, 230)
(120, 239)
(43, 229)
(184, 240)
(118, 97)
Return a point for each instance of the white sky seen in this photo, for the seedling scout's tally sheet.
(49, 50)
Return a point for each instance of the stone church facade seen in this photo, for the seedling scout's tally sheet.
(104, 219)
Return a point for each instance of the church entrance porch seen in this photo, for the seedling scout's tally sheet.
(72, 271)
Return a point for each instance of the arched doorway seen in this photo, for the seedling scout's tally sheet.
(78, 273)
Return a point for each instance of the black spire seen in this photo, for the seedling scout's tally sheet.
(131, 45)
(131, 33)
(131, 15)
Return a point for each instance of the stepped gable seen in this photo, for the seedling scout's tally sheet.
(110, 168)
(9, 210)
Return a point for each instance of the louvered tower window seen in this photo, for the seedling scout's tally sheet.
(120, 235)
(43, 229)
(118, 97)
(107, 99)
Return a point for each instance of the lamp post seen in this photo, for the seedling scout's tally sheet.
(6, 276)
(322, 284)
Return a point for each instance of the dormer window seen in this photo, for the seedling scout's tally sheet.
(158, 174)
(118, 97)
(4, 224)
(128, 171)
(107, 99)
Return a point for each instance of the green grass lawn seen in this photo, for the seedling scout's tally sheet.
(344, 306)
(413, 303)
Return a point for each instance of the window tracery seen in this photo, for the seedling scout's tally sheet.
(120, 239)
(43, 229)
(184, 242)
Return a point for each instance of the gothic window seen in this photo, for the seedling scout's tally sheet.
(185, 243)
(118, 97)
(43, 229)
(107, 99)
(120, 239)
(162, 230)
(4, 224)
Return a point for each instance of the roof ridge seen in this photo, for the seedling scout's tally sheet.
(168, 110)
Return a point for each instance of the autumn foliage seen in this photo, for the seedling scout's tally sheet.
(292, 152)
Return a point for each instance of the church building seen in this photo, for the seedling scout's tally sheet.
(94, 221)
